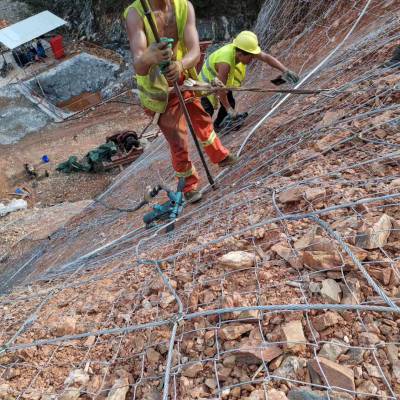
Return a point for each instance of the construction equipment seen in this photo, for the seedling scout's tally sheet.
(169, 210)
(166, 213)
(128, 149)
(148, 14)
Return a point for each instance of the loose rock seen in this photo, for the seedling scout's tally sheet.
(65, 326)
(70, 394)
(254, 352)
(119, 389)
(77, 377)
(294, 336)
(192, 370)
(292, 195)
(331, 291)
(325, 320)
(232, 332)
(351, 291)
(367, 388)
(336, 375)
(333, 350)
(375, 236)
(237, 260)
(368, 339)
(291, 367)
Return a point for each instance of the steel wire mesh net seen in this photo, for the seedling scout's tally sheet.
(283, 283)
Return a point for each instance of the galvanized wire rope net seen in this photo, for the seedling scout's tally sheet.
(160, 307)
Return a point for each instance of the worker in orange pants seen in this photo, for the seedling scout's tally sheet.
(173, 125)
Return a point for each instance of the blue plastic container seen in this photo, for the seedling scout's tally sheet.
(45, 159)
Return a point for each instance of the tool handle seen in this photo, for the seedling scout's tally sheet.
(147, 13)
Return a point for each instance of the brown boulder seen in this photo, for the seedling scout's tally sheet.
(293, 334)
(333, 374)
(374, 234)
(254, 352)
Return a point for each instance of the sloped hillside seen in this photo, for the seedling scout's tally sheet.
(283, 283)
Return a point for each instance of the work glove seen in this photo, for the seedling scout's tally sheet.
(217, 83)
(290, 76)
(158, 53)
(229, 122)
(173, 71)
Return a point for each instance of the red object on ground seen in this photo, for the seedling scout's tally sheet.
(56, 44)
(203, 49)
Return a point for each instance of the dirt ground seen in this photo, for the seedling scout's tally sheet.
(59, 141)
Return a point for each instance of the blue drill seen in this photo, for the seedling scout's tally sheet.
(168, 211)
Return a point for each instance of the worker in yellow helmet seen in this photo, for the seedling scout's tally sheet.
(228, 65)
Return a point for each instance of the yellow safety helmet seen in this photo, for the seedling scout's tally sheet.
(248, 42)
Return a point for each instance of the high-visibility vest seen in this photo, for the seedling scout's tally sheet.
(153, 88)
(227, 55)
(239, 75)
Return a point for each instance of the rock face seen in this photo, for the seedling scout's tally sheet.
(102, 18)
(19, 116)
(80, 74)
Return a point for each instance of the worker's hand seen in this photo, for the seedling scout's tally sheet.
(290, 76)
(158, 53)
(217, 83)
(173, 71)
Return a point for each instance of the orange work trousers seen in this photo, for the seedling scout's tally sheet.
(173, 125)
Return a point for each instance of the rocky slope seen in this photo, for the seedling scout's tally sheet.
(282, 284)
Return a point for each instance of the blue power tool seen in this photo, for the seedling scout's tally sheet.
(168, 211)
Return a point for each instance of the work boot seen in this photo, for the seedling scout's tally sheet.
(228, 161)
(193, 197)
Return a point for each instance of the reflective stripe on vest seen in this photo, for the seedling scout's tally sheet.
(212, 73)
(185, 174)
(210, 140)
(153, 90)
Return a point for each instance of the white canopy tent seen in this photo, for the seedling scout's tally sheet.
(28, 29)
